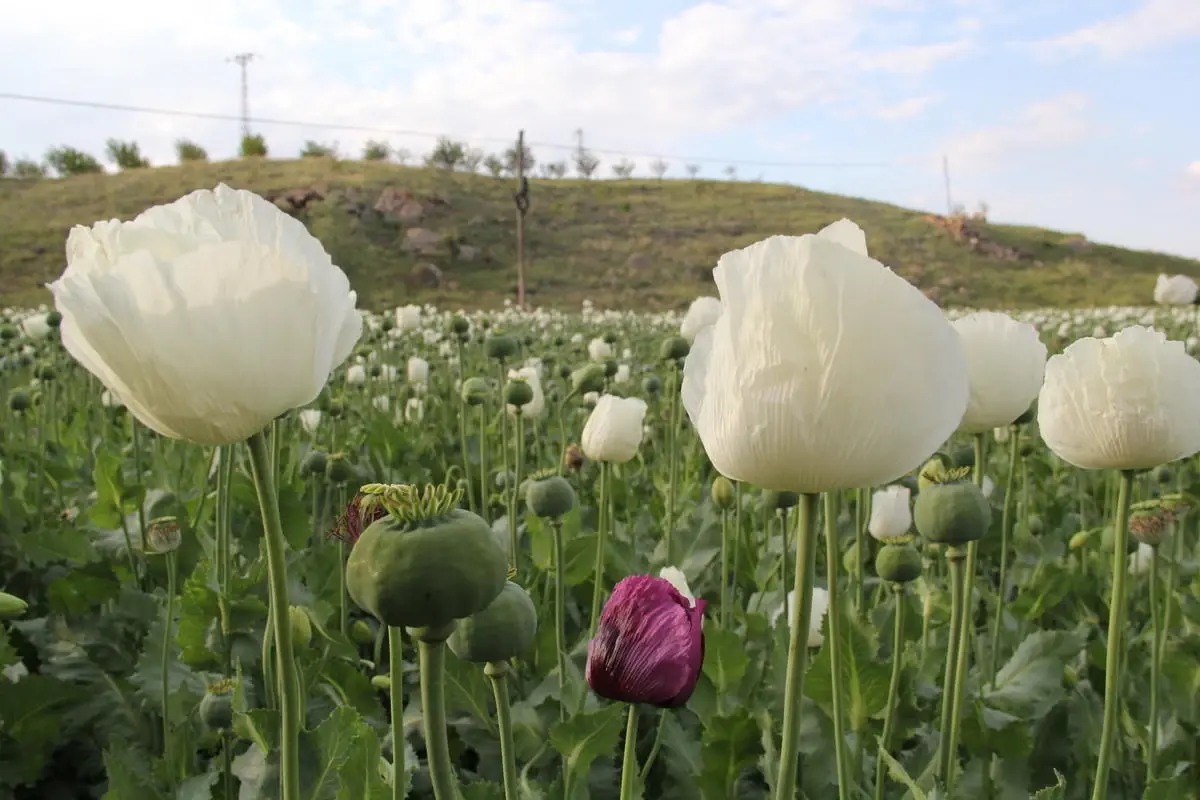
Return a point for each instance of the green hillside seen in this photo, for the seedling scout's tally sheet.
(449, 238)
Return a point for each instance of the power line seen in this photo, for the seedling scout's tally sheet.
(246, 120)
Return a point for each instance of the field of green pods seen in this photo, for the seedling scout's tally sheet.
(815, 539)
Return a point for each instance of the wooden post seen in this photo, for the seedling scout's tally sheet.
(521, 198)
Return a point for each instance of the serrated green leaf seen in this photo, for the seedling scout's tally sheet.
(1031, 683)
(725, 659)
(1056, 792)
(587, 736)
(728, 745)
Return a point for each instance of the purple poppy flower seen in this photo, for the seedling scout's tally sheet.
(649, 645)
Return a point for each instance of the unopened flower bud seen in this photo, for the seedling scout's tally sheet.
(19, 400)
(723, 495)
(652, 385)
(11, 606)
(314, 463)
(550, 497)
(164, 535)
(674, 348)
(475, 391)
(301, 627)
(1079, 539)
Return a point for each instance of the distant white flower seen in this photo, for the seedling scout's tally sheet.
(613, 431)
(382, 402)
(891, 515)
(408, 318)
(1175, 290)
(356, 374)
(310, 419)
(599, 350)
(1001, 434)
(536, 406)
(816, 619)
(989, 486)
(623, 374)
(418, 370)
(703, 312)
(414, 410)
(35, 326)
(1140, 559)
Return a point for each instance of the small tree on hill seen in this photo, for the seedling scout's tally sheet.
(4, 165)
(472, 159)
(187, 150)
(659, 168)
(68, 161)
(494, 165)
(585, 162)
(401, 155)
(624, 168)
(126, 155)
(27, 169)
(318, 150)
(510, 160)
(254, 146)
(446, 154)
(692, 170)
(376, 151)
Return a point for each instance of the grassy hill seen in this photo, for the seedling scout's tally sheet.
(630, 244)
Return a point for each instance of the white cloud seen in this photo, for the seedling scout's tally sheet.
(476, 69)
(905, 109)
(628, 35)
(1192, 170)
(1154, 23)
(1055, 122)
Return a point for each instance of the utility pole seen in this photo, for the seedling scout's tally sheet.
(521, 198)
(579, 138)
(946, 180)
(243, 60)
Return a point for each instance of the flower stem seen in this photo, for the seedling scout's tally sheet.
(601, 539)
(1155, 667)
(483, 462)
(1005, 522)
(672, 457)
(806, 568)
(560, 619)
(889, 718)
(514, 501)
(1116, 624)
(498, 672)
(431, 648)
(289, 702)
(629, 765)
(396, 701)
(955, 558)
(968, 613)
(462, 429)
(724, 616)
(656, 746)
(168, 618)
(862, 507)
(832, 551)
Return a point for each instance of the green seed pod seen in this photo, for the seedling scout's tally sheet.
(387, 324)
(652, 385)
(610, 368)
(7, 333)
(475, 391)
(518, 393)
(501, 346)
(164, 535)
(374, 370)
(360, 632)
(935, 470)
(46, 373)
(314, 463)
(589, 378)
(1080, 538)
(54, 319)
(898, 563)
(460, 326)
(551, 497)
(301, 627)
(952, 513)
(426, 570)
(850, 559)
(1027, 449)
(19, 400)
(1163, 474)
(381, 682)
(722, 492)
(1108, 540)
(216, 707)
(338, 470)
(335, 409)
(674, 348)
(11, 606)
(610, 338)
(503, 630)
(564, 371)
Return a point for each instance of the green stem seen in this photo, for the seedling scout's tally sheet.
(968, 614)
(462, 429)
(1155, 668)
(835, 642)
(135, 427)
(629, 765)
(889, 718)
(498, 672)
(560, 619)
(601, 540)
(954, 559)
(806, 568)
(724, 615)
(509, 489)
(1005, 522)
(431, 648)
(396, 701)
(862, 507)
(483, 462)
(514, 502)
(654, 748)
(672, 457)
(1116, 625)
(289, 703)
(166, 659)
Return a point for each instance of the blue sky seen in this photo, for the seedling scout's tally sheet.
(1073, 114)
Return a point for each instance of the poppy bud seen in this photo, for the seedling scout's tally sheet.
(649, 645)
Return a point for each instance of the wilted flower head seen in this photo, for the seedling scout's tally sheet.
(359, 514)
(649, 645)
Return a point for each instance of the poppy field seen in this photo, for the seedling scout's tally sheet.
(815, 538)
